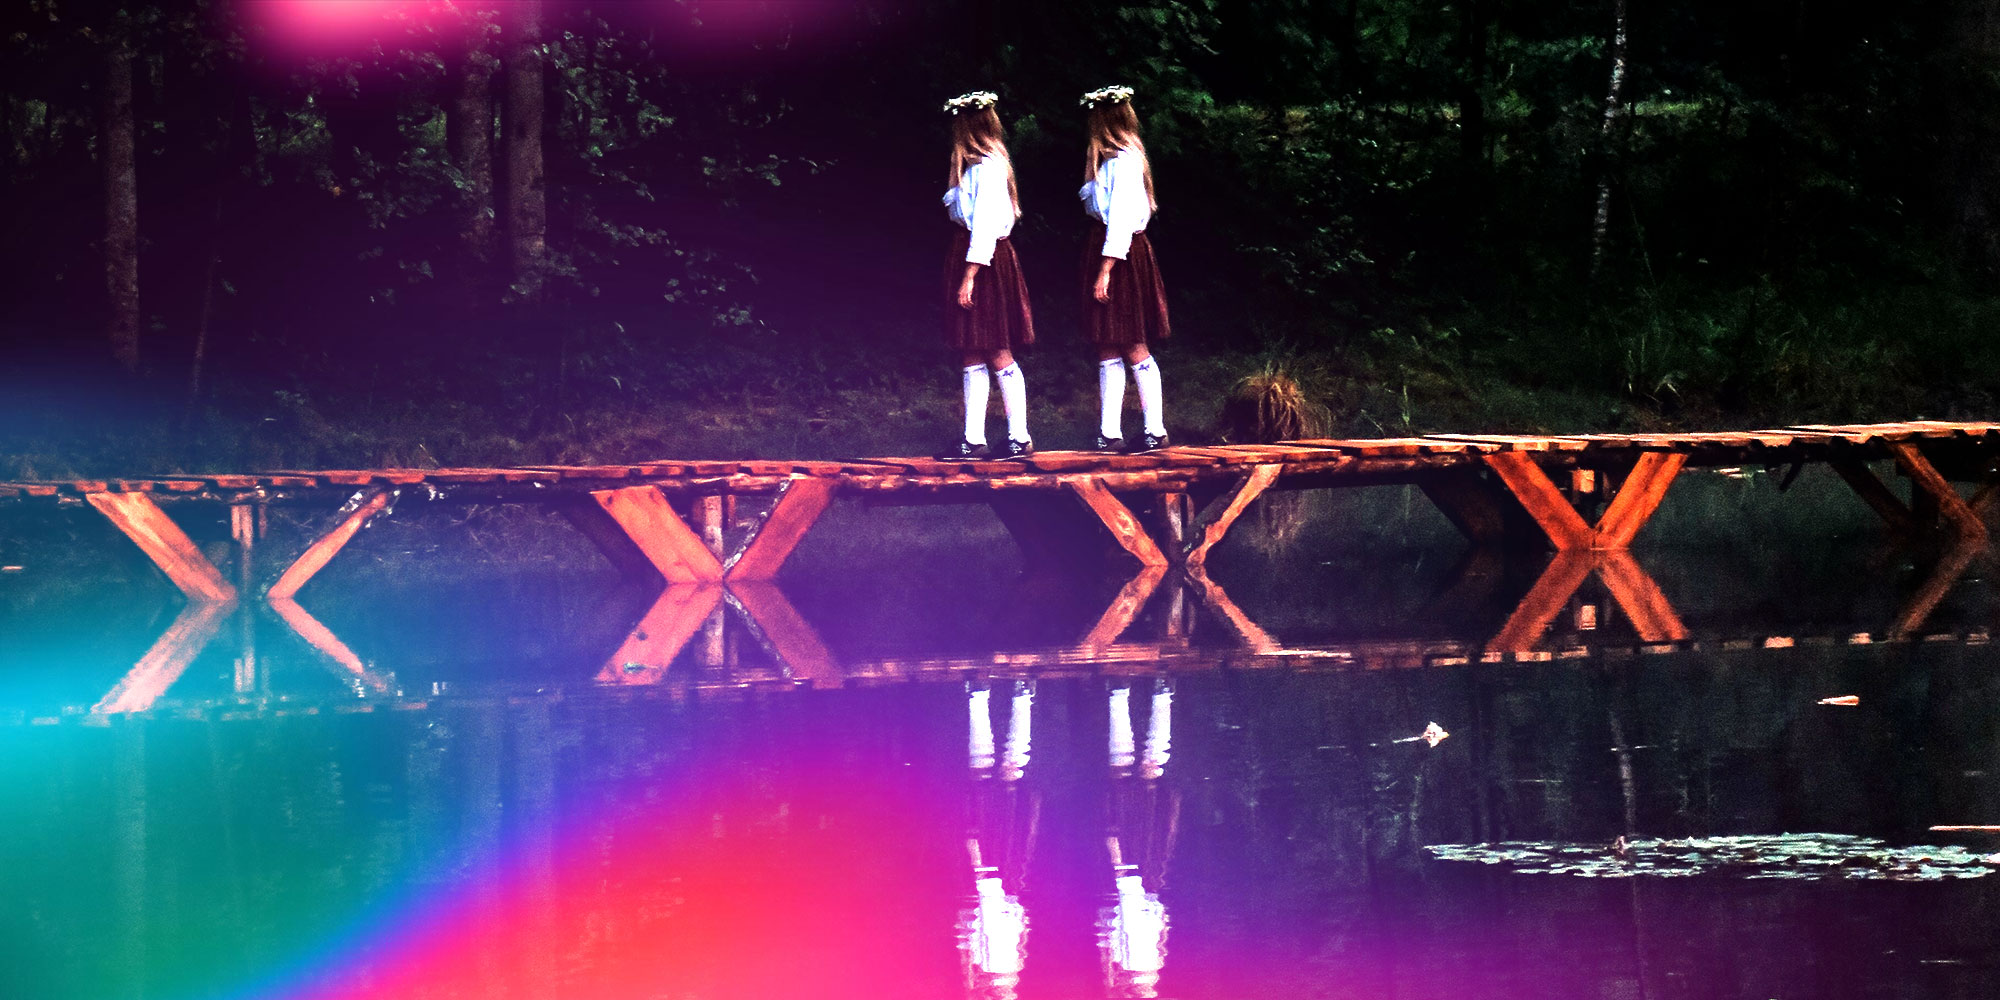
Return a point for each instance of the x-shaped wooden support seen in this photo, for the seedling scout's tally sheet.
(1627, 512)
(1644, 604)
(1930, 488)
(642, 517)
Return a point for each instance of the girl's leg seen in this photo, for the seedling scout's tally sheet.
(1110, 395)
(978, 382)
(1146, 375)
(1013, 394)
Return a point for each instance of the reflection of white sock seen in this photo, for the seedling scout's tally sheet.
(1110, 398)
(1014, 396)
(977, 383)
(1151, 405)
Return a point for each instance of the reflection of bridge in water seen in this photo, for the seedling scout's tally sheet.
(679, 521)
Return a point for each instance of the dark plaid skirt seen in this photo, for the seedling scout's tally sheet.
(1137, 312)
(1000, 318)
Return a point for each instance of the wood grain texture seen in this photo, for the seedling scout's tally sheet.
(1221, 515)
(666, 541)
(801, 501)
(1543, 501)
(141, 520)
(1118, 519)
(322, 551)
(1923, 476)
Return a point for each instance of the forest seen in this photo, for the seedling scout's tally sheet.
(286, 232)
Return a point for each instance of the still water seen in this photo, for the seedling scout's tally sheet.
(918, 774)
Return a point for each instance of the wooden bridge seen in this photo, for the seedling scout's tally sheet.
(1584, 496)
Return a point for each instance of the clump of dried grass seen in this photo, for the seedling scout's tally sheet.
(1267, 406)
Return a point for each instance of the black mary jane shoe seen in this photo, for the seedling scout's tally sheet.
(1150, 442)
(964, 451)
(1016, 451)
(1109, 446)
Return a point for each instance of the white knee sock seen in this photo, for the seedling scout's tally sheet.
(1014, 396)
(1110, 398)
(1151, 405)
(977, 384)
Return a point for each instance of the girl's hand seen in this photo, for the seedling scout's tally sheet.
(1103, 289)
(965, 287)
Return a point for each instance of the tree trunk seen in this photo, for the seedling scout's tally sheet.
(527, 207)
(472, 149)
(1972, 134)
(1614, 108)
(1472, 84)
(121, 204)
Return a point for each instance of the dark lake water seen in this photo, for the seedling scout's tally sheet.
(480, 767)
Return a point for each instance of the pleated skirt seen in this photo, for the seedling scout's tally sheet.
(1137, 312)
(1000, 317)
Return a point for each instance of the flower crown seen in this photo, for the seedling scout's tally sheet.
(977, 100)
(1106, 95)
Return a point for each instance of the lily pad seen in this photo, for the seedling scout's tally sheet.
(1823, 856)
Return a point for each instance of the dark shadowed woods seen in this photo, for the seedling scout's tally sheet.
(281, 232)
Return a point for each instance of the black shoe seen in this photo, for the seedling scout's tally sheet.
(1149, 442)
(1109, 446)
(1016, 451)
(964, 451)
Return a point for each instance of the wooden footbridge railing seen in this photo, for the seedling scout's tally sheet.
(1584, 496)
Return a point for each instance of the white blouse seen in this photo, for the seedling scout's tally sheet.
(982, 204)
(1118, 199)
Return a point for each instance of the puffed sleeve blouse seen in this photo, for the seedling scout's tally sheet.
(982, 204)
(1118, 199)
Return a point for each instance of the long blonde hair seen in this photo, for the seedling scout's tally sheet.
(975, 135)
(1114, 127)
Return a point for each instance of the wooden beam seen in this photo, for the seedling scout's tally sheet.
(1215, 521)
(1876, 495)
(1117, 518)
(321, 638)
(647, 653)
(1469, 504)
(650, 523)
(1638, 497)
(1125, 607)
(589, 519)
(1637, 500)
(167, 659)
(801, 501)
(1644, 604)
(790, 637)
(1923, 476)
(1541, 498)
(321, 552)
(163, 541)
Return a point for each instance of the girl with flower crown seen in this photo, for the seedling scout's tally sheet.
(987, 313)
(1124, 303)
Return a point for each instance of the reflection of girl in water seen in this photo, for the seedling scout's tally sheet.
(1141, 827)
(993, 928)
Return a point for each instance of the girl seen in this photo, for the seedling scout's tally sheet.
(1124, 304)
(987, 314)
